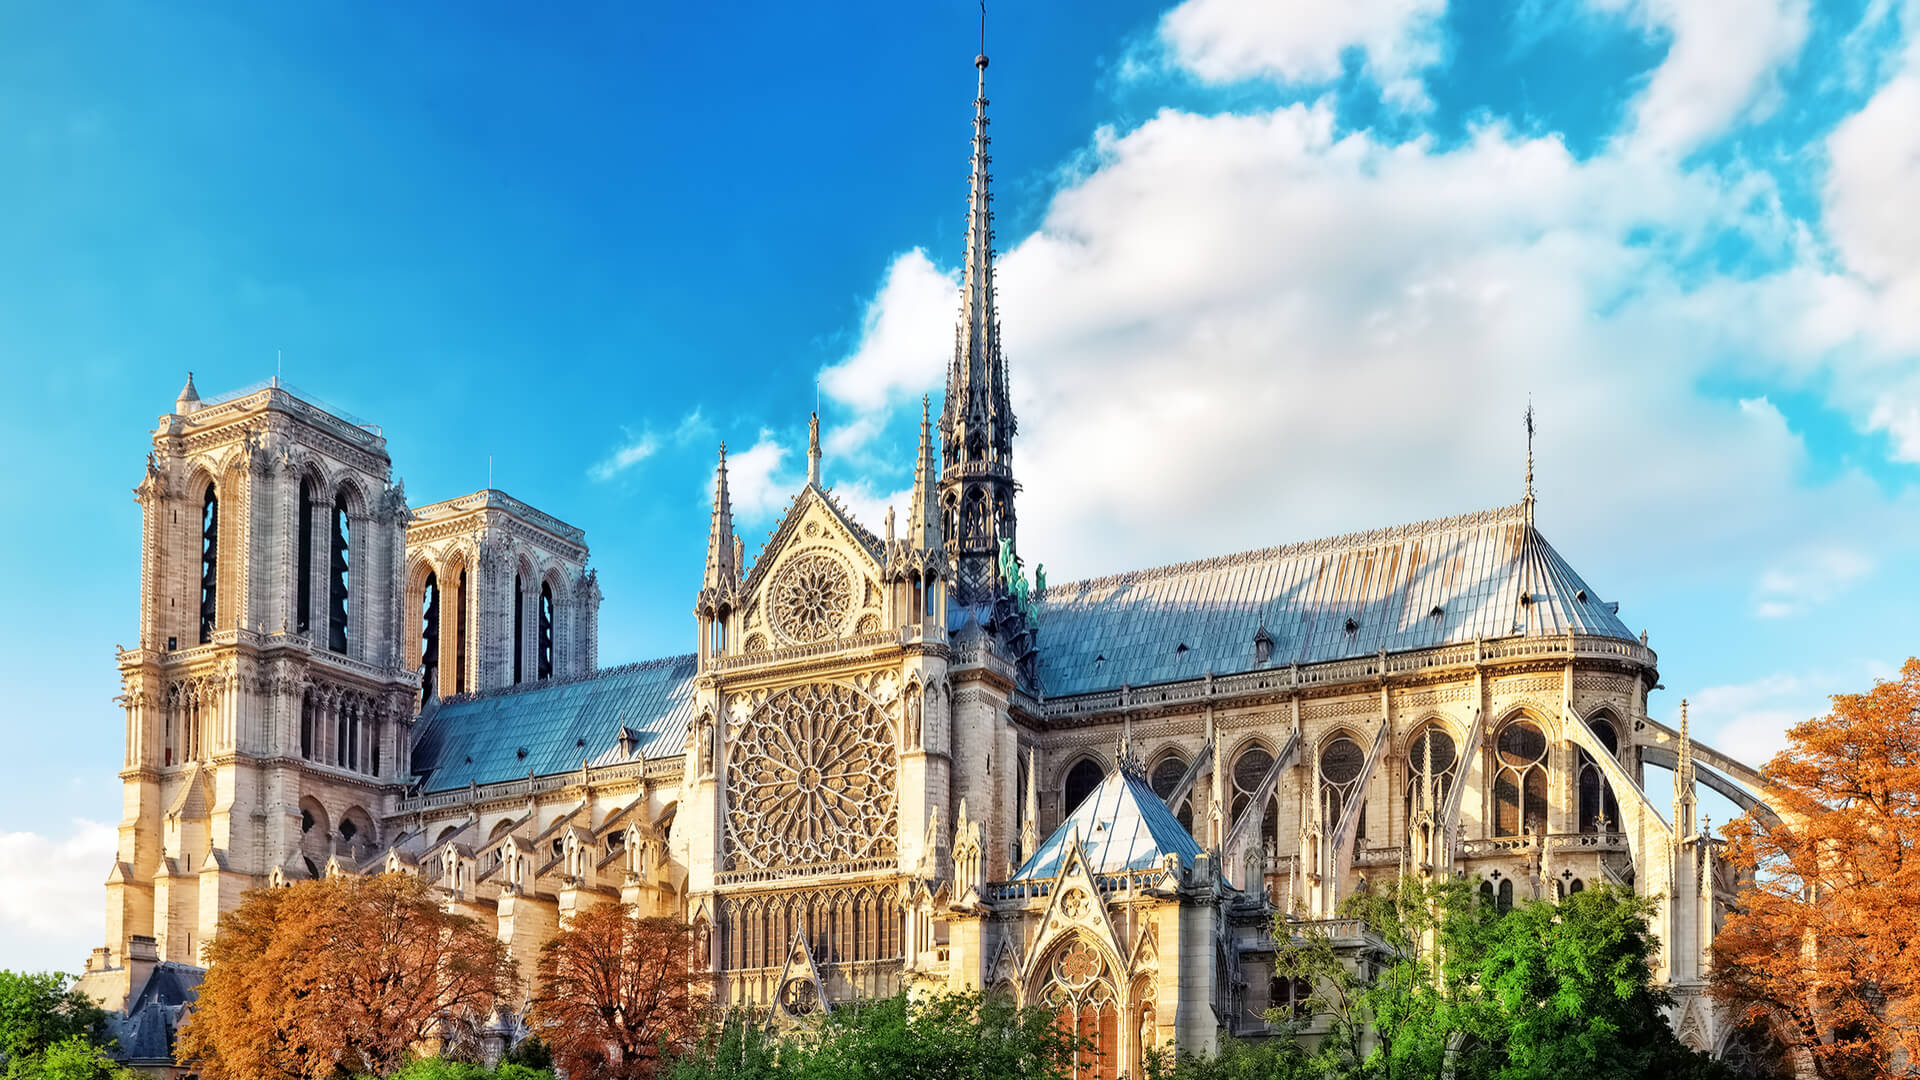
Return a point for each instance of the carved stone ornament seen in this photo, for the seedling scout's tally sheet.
(810, 781)
(811, 598)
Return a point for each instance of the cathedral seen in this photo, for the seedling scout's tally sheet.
(890, 761)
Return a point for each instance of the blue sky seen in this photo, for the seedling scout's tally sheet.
(1270, 271)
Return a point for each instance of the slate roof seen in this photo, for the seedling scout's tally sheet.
(1489, 574)
(549, 727)
(1122, 825)
(145, 1032)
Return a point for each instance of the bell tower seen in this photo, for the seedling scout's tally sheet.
(267, 706)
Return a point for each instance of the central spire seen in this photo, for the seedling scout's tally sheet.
(976, 423)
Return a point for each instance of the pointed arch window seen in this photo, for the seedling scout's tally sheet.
(1599, 809)
(303, 563)
(1166, 776)
(429, 638)
(1520, 785)
(1432, 764)
(339, 578)
(546, 630)
(519, 626)
(1249, 769)
(1081, 780)
(460, 635)
(209, 561)
(1340, 763)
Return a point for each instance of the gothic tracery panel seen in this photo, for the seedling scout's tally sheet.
(812, 596)
(810, 782)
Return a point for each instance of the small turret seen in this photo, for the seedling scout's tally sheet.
(1684, 799)
(723, 548)
(923, 517)
(189, 399)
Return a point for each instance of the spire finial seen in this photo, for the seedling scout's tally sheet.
(1529, 498)
(723, 562)
(813, 449)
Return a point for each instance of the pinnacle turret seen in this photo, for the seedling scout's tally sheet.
(1684, 799)
(723, 548)
(923, 516)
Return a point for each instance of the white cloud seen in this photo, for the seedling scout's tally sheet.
(50, 893)
(636, 450)
(896, 355)
(1749, 720)
(1723, 59)
(1304, 43)
(755, 482)
(1809, 578)
(869, 507)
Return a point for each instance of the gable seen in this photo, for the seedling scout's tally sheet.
(818, 579)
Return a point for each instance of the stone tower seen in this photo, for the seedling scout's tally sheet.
(267, 702)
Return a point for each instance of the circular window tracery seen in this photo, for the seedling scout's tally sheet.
(810, 781)
(812, 597)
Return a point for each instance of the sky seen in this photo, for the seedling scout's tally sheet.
(1269, 271)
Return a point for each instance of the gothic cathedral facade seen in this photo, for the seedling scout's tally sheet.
(890, 761)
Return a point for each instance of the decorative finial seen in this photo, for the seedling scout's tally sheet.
(813, 449)
(1529, 499)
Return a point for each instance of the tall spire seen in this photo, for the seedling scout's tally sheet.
(723, 565)
(1030, 818)
(976, 423)
(923, 517)
(1683, 794)
(1528, 502)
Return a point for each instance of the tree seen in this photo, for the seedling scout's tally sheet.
(74, 1058)
(344, 974)
(614, 998)
(42, 1012)
(939, 1037)
(1824, 942)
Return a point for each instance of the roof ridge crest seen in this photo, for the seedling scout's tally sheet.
(1302, 547)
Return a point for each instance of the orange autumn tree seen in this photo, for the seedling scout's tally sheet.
(1825, 941)
(341, 976)
(614, 998)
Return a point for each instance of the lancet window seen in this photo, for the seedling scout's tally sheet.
(1520, 784)
(460, 635)
(1433, 763)
(519, 625)
(303, 563)
(429, 637)
(1340, 763)
(1165, 777)
(1599, 809)
(860, 929)
(1081, 780)
(546, 630)
(209, 561)
(338, 578)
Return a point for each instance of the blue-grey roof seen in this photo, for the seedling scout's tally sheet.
(549, 727)
(1489, 574)
(1121, 825)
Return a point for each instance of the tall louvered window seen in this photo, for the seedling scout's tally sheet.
(546, 630)
(339, 580)
(1081, 780)
(430, 638)
(460, 635)
(1520, 785)
(519, 625)
(209, 561)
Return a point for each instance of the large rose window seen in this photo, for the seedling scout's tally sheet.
(812, 596)
(810, 781)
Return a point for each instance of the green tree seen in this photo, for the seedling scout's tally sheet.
(75, 1057)
(38, 1010)
(1237, 1059)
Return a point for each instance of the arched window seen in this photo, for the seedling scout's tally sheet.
(338, 579)
(1599, 810)
(430, 638)
(306, 726)
(1249, 769)
(1081, 780)
(1080, 990)
(1576, 886)
(1432, 764)
(546, 630)
(460, 636)
(1520, 787)
(209, 561)
(519, 625)
(303, 564)
(1506, 896)
(1340, 763)
(1295, 996)
(1166, 776)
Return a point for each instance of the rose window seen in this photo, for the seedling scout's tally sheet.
(810, 781)
(811, 598)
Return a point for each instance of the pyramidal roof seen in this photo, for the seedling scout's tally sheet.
(1484, 575)
(1121, 825)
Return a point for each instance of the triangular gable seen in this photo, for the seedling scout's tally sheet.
(799, 993)
(1075, 904)
(1123, 825)
(1005, 969)
(817, 503)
